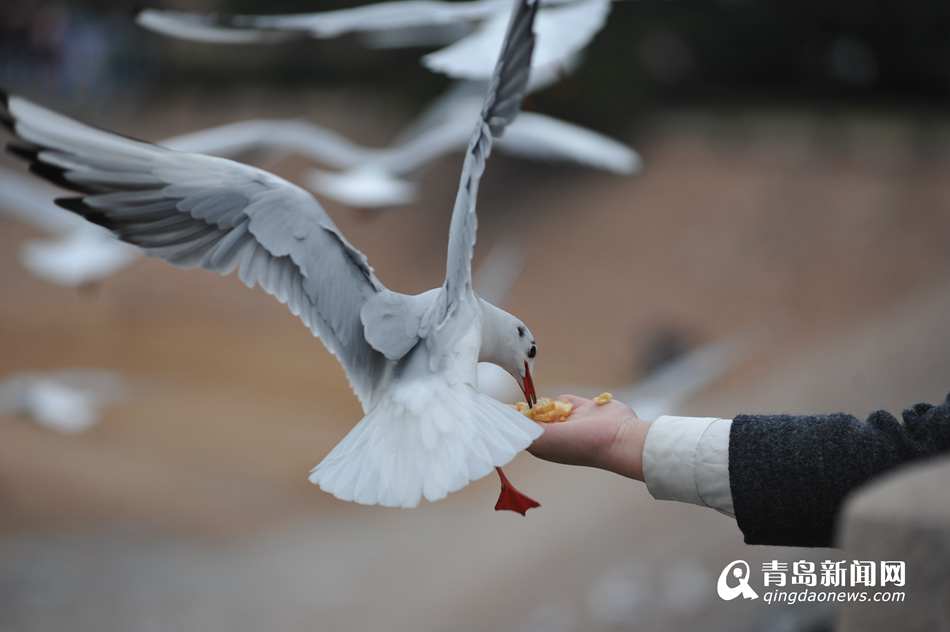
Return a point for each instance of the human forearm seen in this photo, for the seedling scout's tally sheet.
(624, 454)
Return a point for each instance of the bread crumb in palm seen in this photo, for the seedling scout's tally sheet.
(603, 398)
(546, 410)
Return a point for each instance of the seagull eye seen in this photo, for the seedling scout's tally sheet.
(521, 332)
(533, 351)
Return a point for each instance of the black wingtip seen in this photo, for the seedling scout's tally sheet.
(74, 204)
(55, 175)
(6, 119)
(77, 206)
(29, 153)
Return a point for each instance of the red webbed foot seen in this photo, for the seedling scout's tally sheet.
(510, 499)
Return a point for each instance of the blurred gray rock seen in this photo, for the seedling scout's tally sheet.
(906, 517)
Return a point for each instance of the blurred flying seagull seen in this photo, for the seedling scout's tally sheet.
(563, 31)
(265, 29)
(370, 177)
(78, 253)
(563, 28)
(67, 401)
(374, 177)
(411, 359)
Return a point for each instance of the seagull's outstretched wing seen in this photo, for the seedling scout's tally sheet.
(562, 32)
(247, 29)
(285, 135)
(508, 86)
(443, 128)
(542, 137)
(195, 210)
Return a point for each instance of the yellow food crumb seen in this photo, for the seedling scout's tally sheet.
(546, 410)
(603, 398)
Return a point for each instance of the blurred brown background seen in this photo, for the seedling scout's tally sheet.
(779, 200)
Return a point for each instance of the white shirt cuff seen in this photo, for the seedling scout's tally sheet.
(687, 459)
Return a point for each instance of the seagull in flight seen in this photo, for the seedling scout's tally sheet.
(67, 401)
(375, 177)
(410, 359)
(563, 29)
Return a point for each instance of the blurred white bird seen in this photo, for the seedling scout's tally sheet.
(377, 17)
(371, 177)
(563, 28)
(67, 401)
(411, 359)
(78, 254)
(563, 31)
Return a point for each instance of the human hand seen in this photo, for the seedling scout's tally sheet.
(608, 437)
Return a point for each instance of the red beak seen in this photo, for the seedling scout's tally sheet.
(527, 387)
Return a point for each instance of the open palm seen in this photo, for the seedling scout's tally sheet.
(608, 436)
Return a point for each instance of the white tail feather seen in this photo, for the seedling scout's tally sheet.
(423, 441)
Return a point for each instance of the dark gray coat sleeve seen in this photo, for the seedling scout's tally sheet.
(789, 475)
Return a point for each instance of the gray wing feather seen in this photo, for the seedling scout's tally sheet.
(302, 137)
(393, 321)
(195, 210)
(508, 86)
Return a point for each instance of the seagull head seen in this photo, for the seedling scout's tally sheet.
(507, 342)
